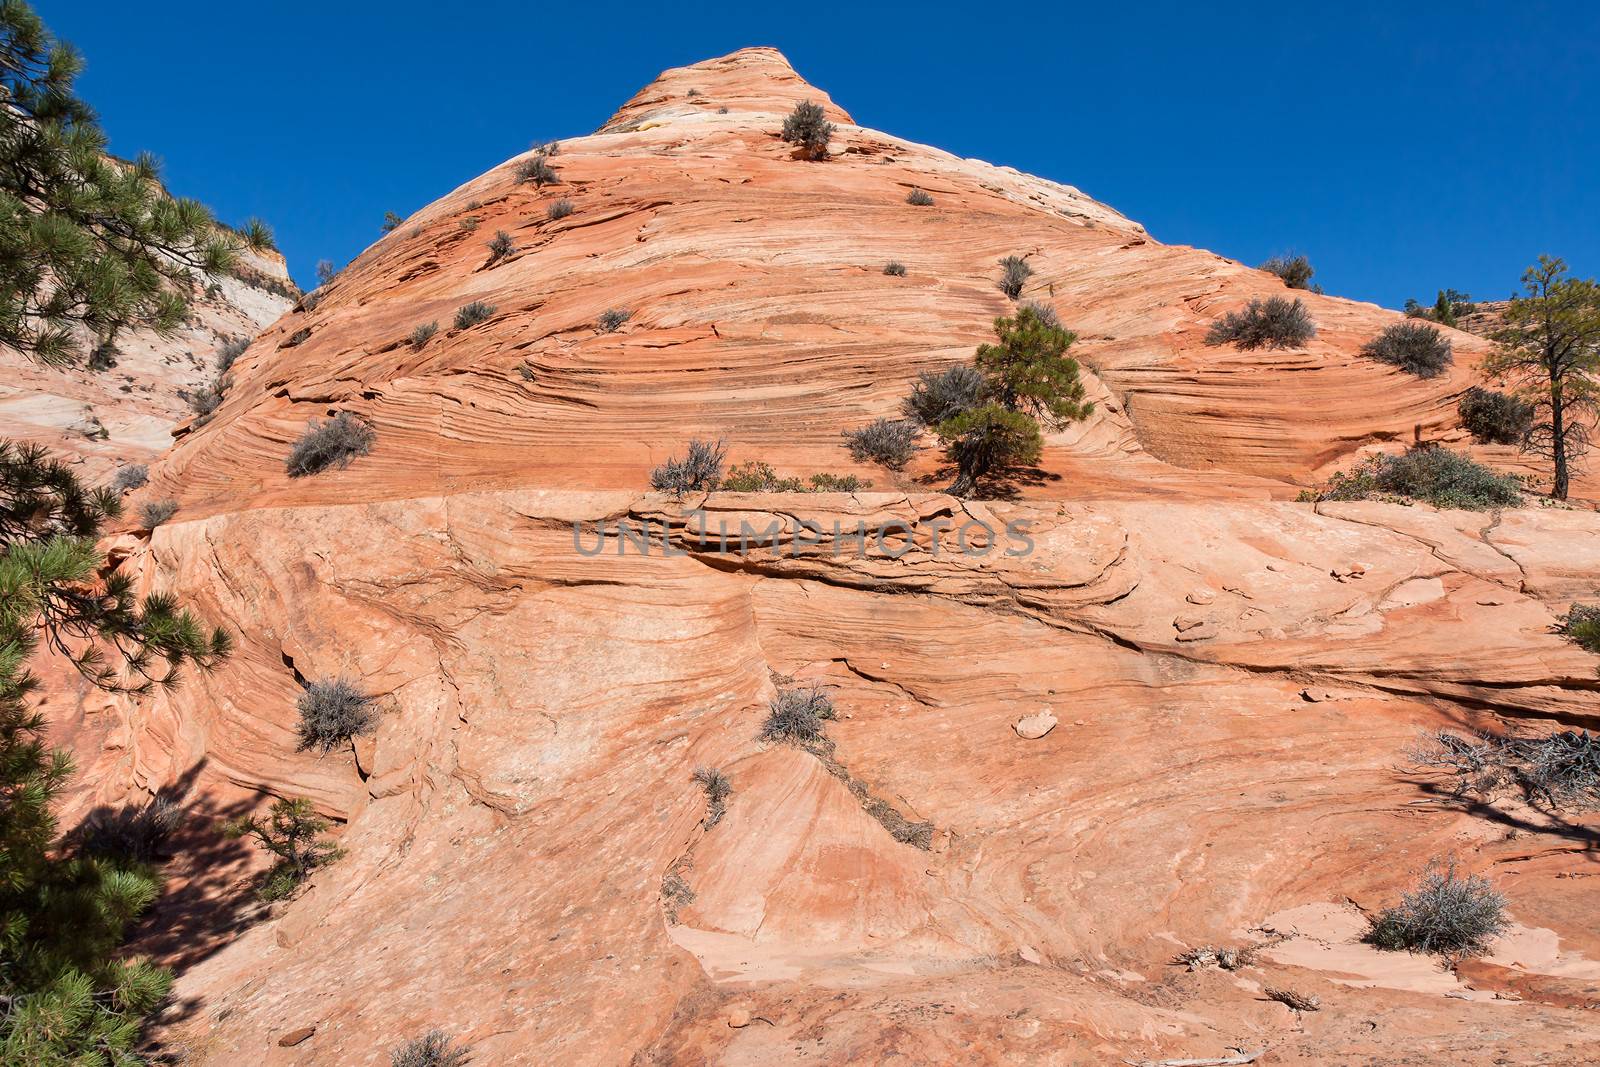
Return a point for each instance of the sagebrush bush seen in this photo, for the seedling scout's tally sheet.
(919, 198)
(895, 268)
(205, 401)
(559, 209)
(1448, 913)
(1582, 624)
(299, 337)
(1044, 312)
(889, 442)
(469, 315)
(940, 395)
(699, 471)
(230, 352)
(132, 476)
(330, 444)
(422, 334)
(808, 129)
(1495, 418)
(501, 245)
(432, 1049)
(717, 789)
(1014, 274)
(333, 711)
(1435, 476)
(538, 171)
(612, 319)
(1414, 347)
(1271, 323)
(134, 833)
(797, 715)
(155, 512)
(1296, 271)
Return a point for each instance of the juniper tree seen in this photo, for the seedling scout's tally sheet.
(89, 244)
(63, 913)
(1549, 349)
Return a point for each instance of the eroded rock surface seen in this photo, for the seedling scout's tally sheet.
(528, 863)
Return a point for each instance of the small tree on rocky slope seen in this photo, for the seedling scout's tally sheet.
(88, 243)
(807, 128)
(1549, 349)
(988, 416)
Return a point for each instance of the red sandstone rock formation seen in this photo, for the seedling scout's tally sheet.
(1234, 675)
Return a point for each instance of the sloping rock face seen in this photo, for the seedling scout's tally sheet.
(105, 419)
(531, 866)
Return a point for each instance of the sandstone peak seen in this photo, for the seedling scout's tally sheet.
(759, 79)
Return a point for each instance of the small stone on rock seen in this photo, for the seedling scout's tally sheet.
(294, 1037)
(1032, 727)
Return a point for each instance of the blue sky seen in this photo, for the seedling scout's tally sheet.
(1403, 147)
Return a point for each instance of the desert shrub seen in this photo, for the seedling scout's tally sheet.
(937, 396)
(332, 712)
(837, 483)
(612, 319)
(1435, 476)
(758, 477)
(808, 128)
(325, 272)
(432, 1049)
(469, 224)
(549, 149)
(1447, 913)
(538, 171)
(292, 831)
(1557, 770)
(132, 834)
(230, 352)
(797, 715)
(1044, 312)
(104, 355)
(699, 471)
(1271, 323)
(1296, 272)
(130, 477)
(299, 337)
(919, 198)
(391, 222)
(1495, 418)
(330, 444)
(559, 209)
(1582, 624)
(717, 789)
(205, 401)
(895, 268)
(501, 245)
(889, 442)
(1414, 347)
(422, 334)
(469, 315)
(155, 512)
(1448, 307)
(1014, 274)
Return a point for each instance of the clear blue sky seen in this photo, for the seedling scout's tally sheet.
(1403, 146)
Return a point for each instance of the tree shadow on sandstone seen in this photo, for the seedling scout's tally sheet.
(1006, 484)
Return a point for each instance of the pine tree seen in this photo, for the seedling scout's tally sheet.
(65, 997)
(1549, 349)
(89, 244)
(990, 415)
